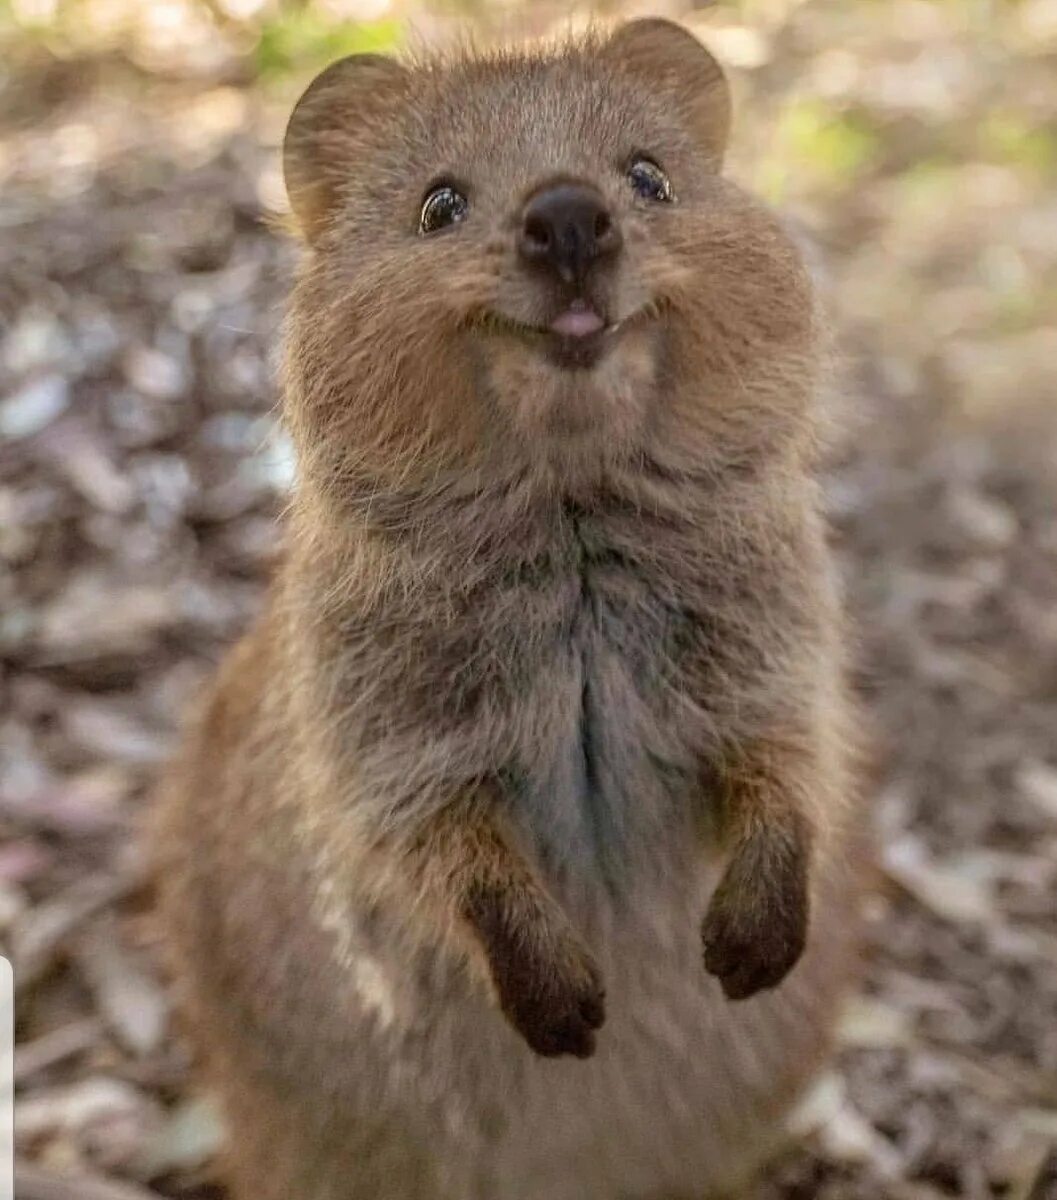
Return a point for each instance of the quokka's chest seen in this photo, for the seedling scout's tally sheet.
(609, 630)
(584, 699)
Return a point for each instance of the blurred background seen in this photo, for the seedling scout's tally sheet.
(140, 473)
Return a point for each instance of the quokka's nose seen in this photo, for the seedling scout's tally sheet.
(568, 228)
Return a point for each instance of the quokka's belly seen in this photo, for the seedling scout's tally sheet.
(421, 1090)
(686, 1091)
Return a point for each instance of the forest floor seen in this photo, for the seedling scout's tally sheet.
(141, 473)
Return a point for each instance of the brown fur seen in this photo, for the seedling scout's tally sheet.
(548, 649)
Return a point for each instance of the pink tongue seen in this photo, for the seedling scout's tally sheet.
(577, 322)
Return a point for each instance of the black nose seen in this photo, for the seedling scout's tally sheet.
(568, 228)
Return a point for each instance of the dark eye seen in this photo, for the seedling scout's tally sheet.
(442, 206)
(649, 181)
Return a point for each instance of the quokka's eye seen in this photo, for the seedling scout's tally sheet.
(649, 181)
(443, 206)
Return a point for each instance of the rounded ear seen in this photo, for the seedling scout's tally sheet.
(673, 62)
(349, 95)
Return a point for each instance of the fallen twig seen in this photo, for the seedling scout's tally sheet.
(54, 1047)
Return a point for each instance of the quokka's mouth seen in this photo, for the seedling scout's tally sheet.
(576, 339)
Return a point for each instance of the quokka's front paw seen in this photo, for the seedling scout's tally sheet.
(555, 1005)
(755, 929)
(548, 986)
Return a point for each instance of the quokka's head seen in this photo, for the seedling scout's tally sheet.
(532, 260)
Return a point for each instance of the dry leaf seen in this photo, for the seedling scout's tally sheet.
(129, 999)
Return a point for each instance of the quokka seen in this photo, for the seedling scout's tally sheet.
(507, 858)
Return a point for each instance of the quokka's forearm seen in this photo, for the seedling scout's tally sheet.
(756, 926)
(542, 976)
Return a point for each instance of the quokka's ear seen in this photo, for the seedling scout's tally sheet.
(674, 63)
(349, 96)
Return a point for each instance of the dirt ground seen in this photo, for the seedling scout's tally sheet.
(141, 470)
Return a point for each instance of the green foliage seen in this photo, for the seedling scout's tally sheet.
(831, 144)
(1007, 137)
(928, 185)
(1019, 309)
(817, 145)
(303, 39)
